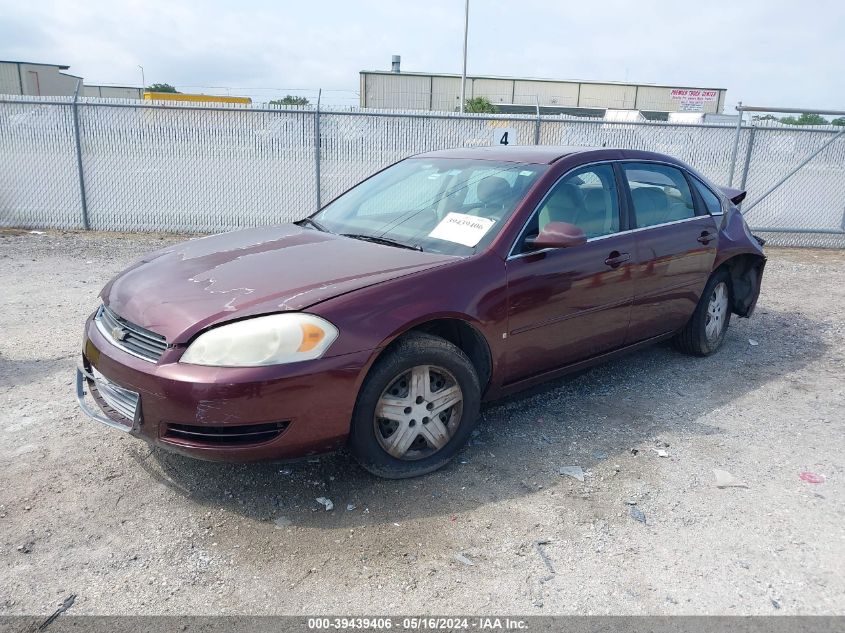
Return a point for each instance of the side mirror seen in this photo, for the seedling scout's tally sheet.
(557, 235)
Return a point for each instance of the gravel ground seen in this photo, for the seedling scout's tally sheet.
(90, 511)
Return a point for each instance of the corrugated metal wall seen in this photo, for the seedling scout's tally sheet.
(411, 91)
(607, 96)
(9, 79)
(497, 90)
(446, 94)
(382, 91)
(113, 92)
(548, 93)
(42, 80)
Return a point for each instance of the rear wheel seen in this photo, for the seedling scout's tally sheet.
(706, 329)
(416, 408)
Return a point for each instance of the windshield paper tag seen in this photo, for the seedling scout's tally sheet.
(462, 229)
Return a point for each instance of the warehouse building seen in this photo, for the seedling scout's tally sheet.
(399, 90)
(49, 80)
(39, 80)
(114, 92)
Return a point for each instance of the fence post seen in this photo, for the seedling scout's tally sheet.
(317, 146)
(747, 165)
(537, 123)
(736, 145)
(82, 196)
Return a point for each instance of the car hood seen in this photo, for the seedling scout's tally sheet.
(184, 288)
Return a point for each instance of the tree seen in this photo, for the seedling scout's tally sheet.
(290, 100)
(812, 119)
(805, 119)
(161, 88)
(838, 121)
(480, 104)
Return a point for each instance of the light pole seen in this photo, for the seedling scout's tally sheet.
(143, 81)
(464, 73)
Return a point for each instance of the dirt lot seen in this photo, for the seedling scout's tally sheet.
(87, 510)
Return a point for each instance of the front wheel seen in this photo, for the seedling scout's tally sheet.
(416, 408)
(705, 331)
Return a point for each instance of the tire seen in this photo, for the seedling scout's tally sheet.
(438, 373)
(705, 331)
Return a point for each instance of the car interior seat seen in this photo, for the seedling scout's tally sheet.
(678, 210)
(651, 204)
(596, 220)
(494, 193)
(566, 204)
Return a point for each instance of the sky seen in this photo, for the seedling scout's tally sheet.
(768, 53)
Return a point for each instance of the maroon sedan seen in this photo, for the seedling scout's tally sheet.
(385, 319)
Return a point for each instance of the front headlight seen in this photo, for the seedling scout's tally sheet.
(266, 340)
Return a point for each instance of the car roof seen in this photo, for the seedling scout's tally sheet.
(542, 154)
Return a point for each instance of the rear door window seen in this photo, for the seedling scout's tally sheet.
(660, 193)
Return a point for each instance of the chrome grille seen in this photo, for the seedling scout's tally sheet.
(134, 339)
(122, 400)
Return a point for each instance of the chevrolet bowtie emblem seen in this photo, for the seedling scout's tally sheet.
(118, 333)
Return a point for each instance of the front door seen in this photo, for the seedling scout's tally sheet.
(568, 304)
(674, 252)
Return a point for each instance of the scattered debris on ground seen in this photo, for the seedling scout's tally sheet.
(575, 472)
(637, 514)
(724, 479)
(66, 604)
(811, 478)
(538, 547)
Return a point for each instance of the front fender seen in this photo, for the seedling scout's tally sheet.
(472, 291)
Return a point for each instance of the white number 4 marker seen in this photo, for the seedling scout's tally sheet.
(504, 136)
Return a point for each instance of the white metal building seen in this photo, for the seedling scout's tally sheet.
(114, 92)
(430, 91)
(29, 78)
(48, 80)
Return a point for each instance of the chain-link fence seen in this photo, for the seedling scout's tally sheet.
(803, 173)
(110, 164)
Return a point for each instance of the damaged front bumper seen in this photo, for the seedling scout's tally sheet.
(221, 413)
(119, 421)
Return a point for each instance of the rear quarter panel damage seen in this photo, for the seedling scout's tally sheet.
(743, 257)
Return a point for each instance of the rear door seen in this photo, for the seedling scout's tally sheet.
(675, 247)
(568, 304)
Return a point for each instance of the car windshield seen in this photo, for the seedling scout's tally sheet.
(445, 205)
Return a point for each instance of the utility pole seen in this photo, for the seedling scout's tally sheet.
(143, 81)
(464, 73)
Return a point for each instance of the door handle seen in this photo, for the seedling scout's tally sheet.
(616, 259)
(705, 237)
